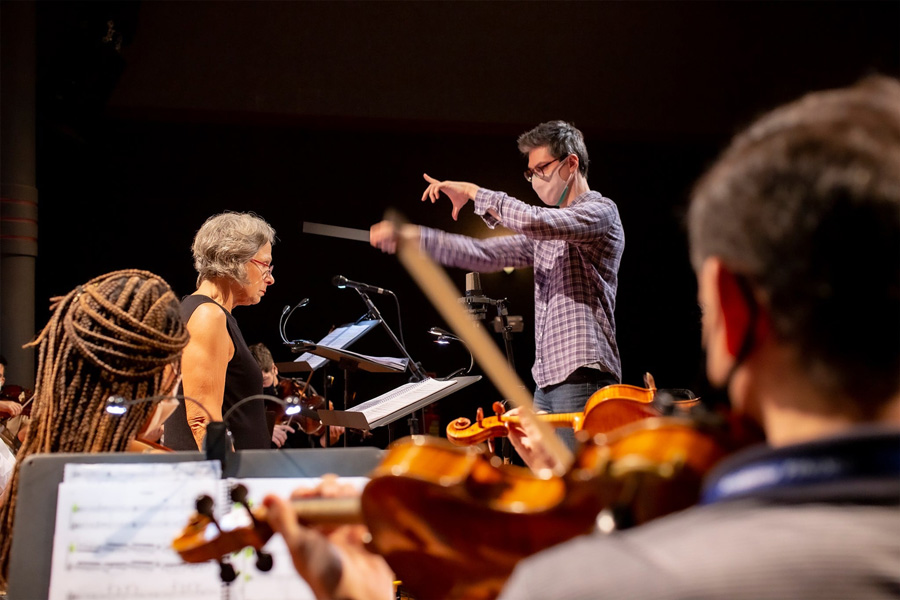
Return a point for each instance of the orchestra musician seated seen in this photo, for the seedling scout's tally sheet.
(289, 434)
(8, 408)
(795, 241)
(119, 334)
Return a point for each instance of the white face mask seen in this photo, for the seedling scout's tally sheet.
(554, 191)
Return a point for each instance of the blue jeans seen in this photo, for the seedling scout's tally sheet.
(570, 396)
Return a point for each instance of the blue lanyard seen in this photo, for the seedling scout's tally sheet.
(857, 459)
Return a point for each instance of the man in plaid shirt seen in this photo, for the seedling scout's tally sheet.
(575, 245)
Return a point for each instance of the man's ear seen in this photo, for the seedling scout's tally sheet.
(275, 372)
(740, 311)
(572, 162)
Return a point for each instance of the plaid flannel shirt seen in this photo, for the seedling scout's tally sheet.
(575, 252)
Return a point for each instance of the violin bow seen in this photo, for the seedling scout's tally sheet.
(439, 289)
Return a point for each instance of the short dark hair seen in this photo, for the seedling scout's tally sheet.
(263, 356)
(3, 360)
(805, 204)
(561, 140)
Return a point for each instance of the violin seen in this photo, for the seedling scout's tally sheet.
(453, 523)
(16, 393)
(607, 409)
(307, 420)
(654, 467)
(414, 506)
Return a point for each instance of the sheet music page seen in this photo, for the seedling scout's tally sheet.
(114, 532)
(398, 364)
(337, 338)
(122, 472)
(282, 582)
(399, 398)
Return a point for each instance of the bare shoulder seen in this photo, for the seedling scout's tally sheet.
(208, 320)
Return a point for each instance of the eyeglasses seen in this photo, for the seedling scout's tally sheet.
(539, 170)
(266, 268)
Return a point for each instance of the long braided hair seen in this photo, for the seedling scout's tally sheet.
(118, 334)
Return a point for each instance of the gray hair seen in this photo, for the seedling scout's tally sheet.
(225, 244)
(805, 205)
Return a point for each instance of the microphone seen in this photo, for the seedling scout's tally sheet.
(475, 300)
(342, 282)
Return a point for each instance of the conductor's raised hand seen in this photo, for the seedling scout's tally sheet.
(459, 192)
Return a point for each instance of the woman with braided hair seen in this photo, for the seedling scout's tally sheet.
(119, 334)
(233, 258)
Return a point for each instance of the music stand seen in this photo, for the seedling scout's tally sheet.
(338, 338)
(332, 347)
(354, 361)
(396, 403)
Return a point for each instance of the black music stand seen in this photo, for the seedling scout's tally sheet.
(351, 361)
(338, 338)
(333, 347)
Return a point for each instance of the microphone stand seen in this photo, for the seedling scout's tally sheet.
(476, 303)
(503, 315)
(415, 369)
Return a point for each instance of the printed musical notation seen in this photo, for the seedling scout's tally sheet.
(114, 529)
(397, 399)
(115, 524)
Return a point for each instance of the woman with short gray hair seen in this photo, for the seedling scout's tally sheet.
(233, 258)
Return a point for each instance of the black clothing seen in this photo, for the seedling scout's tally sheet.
(247, 423)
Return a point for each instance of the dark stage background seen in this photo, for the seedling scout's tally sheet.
(152, 116)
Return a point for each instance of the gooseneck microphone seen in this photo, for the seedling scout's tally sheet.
(342, 282)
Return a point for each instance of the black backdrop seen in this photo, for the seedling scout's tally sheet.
(330, 113)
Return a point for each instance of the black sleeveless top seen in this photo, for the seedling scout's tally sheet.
(243, 379)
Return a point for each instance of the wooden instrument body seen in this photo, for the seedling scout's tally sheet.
(607, 409)
(453, 524)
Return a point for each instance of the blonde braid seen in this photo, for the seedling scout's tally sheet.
(114, 335)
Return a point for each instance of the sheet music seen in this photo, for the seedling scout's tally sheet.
(282, 582)
(398, 364)
(210, 470)
(398, 398)
(337, 338)
(115, 524)
(113, 538)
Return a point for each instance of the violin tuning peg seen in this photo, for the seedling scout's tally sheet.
(499, 409)
(239, 493)
(263, 561)
(226, 572)
(479, 415)
(205, 505)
